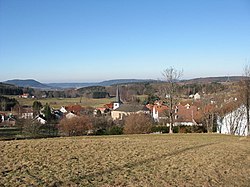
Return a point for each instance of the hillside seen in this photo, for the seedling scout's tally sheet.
(35, 84)
(71, 85)
(103, 83)
(205, 80)
(134, 160)
(124, 81)
(10, 89)
(94, 92)
(28, 83)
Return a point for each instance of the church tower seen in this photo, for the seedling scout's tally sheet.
(117, 101)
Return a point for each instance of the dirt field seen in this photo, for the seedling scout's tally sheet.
(136, 160)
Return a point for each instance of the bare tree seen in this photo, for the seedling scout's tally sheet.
(246, 95)
(138, 124)
(208, 116)
(76, 126)
(171, 76)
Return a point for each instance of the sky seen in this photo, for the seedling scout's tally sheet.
(96, 40)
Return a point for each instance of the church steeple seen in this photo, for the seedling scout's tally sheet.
(117, 98)
(117, 102)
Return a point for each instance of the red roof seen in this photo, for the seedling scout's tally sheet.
(101, 108)
(187, 113)
(159, 108)
(109, 105)
(74, 108)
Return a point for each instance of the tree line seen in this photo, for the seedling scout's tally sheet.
(6, 104)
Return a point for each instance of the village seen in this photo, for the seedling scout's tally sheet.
(188, 116)
(125, 93)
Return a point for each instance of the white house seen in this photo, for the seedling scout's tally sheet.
(25, 95)
(70, 115)
(234, 123)
(159, 112)
(197, 96)
(40, 119)
(63, 110)
(27, 113)
(2, 117)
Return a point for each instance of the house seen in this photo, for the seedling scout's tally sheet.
(197, 96)
(75, 109)
(234, 122)
(25, 95)
(70, 115)
(44, 96)
(191, 96)
(27, 113)
(63, 110)
(40, 119)
(69, 111)
(187, 115)
(158, 111)
(11, 121)
(58, 114)
(127, 109)
(184, 113)
(2, 117)
(103, 110)
(7, 120)
(109, 106)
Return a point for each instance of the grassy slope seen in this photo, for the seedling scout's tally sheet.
(137, 160)
(58, 102)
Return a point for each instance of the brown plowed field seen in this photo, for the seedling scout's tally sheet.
(135, 160)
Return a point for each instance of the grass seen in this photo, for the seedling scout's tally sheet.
(135, 160)
(58, 102)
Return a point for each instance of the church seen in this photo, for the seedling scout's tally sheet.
(121, 110)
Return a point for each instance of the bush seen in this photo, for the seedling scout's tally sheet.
(163, 129)
(138, 124)
(76, 126)
(191, 129)
(100, 132)
(115, 130)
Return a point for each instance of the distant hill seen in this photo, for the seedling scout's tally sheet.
(124, 81)
(71, 85)
(103, 83)
(214, 79)
(28, 83)
(37, 85)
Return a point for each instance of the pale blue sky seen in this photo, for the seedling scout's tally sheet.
(94, 40)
